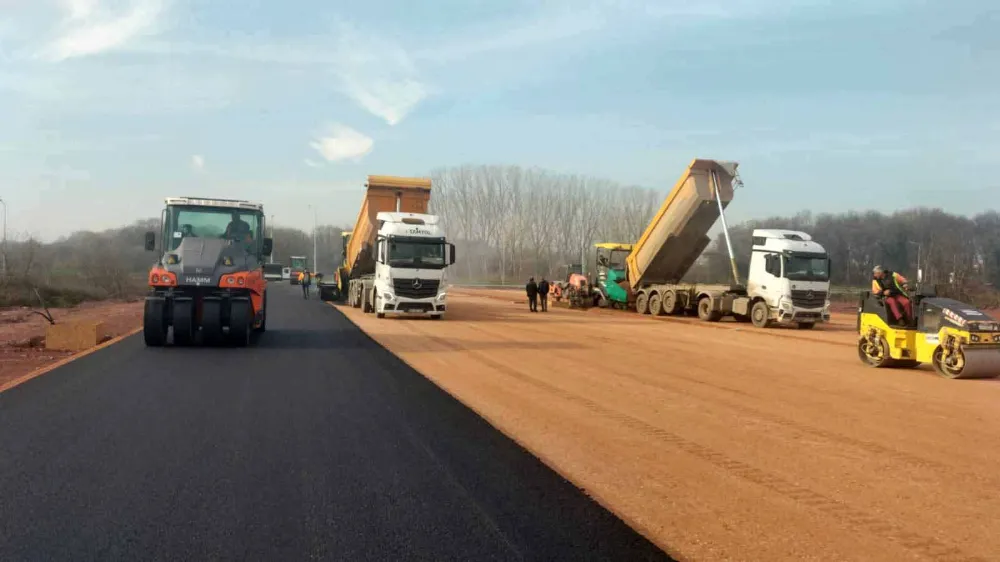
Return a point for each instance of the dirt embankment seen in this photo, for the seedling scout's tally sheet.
(22, 333)
(723, 441)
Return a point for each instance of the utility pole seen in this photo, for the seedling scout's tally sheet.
(271, 257)
(315, 265)
(3, 256)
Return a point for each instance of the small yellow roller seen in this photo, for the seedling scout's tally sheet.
(961, 341)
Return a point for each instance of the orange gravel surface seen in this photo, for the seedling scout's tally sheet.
(22, 333)
(724, 441)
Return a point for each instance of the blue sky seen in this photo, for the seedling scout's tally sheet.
(108, 106)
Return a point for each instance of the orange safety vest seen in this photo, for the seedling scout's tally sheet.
(302, 277)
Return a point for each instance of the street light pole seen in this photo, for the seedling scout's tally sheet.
(315, 232)
(271, 257)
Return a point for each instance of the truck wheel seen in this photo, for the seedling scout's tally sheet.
(759, 315)
(211, 321)
(154, 323)
(263, 318)
(184, 328)
(642, 303)
(705, 311)
(806, 325)
(668, 303)
(240, 323)
(655, 307)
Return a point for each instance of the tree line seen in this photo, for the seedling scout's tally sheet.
(510, 223)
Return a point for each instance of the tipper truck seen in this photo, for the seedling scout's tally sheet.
(788, 281)
(396, 256)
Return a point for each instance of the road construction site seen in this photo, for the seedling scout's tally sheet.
(721, 441)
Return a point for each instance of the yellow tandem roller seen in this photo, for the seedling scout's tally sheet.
(961, 341)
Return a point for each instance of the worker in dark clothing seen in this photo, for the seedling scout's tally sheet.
(543, 294)
(532, 290)
(305, 280)
(894, 288)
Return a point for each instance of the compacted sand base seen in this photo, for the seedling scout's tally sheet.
(724, 441)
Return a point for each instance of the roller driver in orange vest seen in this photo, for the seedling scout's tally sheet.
(893, 288)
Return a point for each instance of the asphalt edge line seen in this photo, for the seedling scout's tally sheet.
(643, 530)
(66, 360)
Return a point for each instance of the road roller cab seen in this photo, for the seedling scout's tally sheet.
(960, 341)
(209, 277)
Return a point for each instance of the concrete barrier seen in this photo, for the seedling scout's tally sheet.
(74, 336)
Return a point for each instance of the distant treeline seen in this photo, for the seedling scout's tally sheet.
(510, 223)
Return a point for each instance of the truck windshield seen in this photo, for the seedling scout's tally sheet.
(808, 267)
(410, 254)
(298, 263)
(209, 222)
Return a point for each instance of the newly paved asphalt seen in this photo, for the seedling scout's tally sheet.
(315, 445)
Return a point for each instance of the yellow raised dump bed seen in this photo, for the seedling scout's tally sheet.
(673, 241)
(382, 194)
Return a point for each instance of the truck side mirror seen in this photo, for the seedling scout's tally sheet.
(150, 241)
(451, 251)
(267, 246)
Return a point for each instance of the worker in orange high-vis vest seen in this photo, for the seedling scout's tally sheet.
(893, 287)
(305, 279)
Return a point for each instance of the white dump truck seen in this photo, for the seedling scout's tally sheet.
(397, 256)
(788, 281)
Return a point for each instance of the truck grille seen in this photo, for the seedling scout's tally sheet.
(404, 288)
(808, 299)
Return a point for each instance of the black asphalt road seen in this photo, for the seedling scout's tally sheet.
(315, 445)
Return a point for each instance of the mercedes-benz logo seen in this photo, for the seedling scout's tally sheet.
(416, 283)
(810, 295)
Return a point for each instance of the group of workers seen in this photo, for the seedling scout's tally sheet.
(537, 292)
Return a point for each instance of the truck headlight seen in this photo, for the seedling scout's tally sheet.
(442, 296)
(784, 304)
(387, 296)
(826, 303)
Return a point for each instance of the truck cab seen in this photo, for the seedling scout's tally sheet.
(790, 274)
(611, 271)
(411, 261)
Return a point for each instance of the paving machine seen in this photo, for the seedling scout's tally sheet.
(209, 278)
(960, 341)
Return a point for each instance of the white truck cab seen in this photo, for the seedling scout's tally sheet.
(411, 263)
(790, 273)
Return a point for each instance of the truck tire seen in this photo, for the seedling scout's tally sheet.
(211, 321)
(705, 311)
(760, 314)
(642, 303)
(668, 303)
(655, 305)
(154, 323)
(240, 323)
(263, 320)
(184, 328)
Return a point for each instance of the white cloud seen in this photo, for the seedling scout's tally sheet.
(343, 143)
(90, 28)
(198, 162)
(312, 163)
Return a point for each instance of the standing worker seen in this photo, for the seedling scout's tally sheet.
(543, 294)
(305, 279)
(532, 290)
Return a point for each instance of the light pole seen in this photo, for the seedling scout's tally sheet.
(271, 257)
(3, 256)
(920, 272)
(315, 265)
